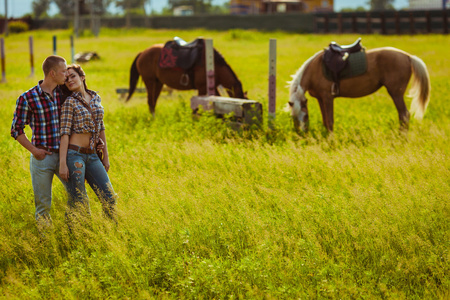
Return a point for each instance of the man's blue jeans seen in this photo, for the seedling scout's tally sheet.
(42, 172)
(88, 166)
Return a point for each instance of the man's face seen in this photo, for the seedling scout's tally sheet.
(60, 73)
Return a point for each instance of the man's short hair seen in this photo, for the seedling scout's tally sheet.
(51, 62)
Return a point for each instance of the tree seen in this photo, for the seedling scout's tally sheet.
(131, 5)
(40, 7)
(67, 7)
(378, 5)
(349, 9)
(99, 7)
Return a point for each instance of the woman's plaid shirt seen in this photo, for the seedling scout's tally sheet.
(76, 118)
(41, 112)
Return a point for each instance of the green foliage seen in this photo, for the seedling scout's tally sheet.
(208, 212)
(199, 7)
(378, 5)
(40, 7)
(18, 26)
(358, 9)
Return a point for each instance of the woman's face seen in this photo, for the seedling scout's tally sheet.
(74, 81)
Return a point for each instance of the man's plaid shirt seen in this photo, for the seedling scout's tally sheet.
(41, 112)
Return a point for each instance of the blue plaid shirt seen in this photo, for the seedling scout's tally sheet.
(41, 112)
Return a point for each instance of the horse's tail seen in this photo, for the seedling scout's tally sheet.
(420, 89)
(134, 77)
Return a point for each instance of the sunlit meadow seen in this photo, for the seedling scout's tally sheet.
(209, 212)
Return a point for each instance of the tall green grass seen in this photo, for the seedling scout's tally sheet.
(209, 212)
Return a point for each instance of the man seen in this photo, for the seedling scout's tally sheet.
(40, 108)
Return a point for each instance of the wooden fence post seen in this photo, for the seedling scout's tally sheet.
(31, 56)
(2, 49)
(272, 82)
(412, 28)
(354, 27)
(397, 23)
(444, 12)
(383, 23)
(72, 48)
(428, 18)
(339, 25)
(209, 55)
(54, 45)
(369, 23)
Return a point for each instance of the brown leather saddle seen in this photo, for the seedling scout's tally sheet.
(336, 59)
(179, 55)
(185, 56)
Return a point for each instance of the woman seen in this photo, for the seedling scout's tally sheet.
(82, 129)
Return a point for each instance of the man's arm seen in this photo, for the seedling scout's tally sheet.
(25, 142)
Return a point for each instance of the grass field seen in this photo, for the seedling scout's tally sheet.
(207, 212)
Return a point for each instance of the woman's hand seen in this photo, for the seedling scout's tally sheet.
(100, 144)
(105, 163)
(64, 172)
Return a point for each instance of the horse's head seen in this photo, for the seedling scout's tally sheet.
(237, 91)
(299, 108)
(227, 77)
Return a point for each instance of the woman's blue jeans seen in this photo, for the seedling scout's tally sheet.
(89, 167)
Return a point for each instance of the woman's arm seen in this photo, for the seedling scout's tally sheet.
(105, 151)
(63, 147)
(66, 125)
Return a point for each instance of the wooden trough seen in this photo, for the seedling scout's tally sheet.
(244, 111)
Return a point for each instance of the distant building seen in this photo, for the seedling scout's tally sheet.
(183, 10)
(249, 7)
(245, 7)
(281, 6)
(318, 5)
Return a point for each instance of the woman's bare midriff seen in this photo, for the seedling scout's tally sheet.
(80, 139)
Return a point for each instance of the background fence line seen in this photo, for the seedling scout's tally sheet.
(382, 22)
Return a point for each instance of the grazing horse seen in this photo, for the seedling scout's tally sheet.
(146, 64)
(389, 67)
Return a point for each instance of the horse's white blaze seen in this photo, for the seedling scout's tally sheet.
(296, 92)
(295, 108)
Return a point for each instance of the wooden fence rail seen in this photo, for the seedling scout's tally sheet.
(387, 22)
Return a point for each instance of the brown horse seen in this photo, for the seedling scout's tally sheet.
(146, 64)
(386, 66)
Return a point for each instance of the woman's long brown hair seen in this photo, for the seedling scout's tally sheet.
(77, 68)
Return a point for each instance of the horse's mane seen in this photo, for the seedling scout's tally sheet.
(220, 60)
(297, 78)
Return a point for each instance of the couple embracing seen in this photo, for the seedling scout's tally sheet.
(66, 120)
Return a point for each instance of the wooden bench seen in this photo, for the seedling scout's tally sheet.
(123, 92)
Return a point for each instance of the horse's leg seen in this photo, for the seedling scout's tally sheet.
(201, 88)
(326, 104)
(403, 113)
(154, 88)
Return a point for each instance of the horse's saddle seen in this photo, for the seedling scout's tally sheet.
(341, 62)
(176, 54)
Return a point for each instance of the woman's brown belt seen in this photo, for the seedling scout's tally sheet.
(81, 149)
